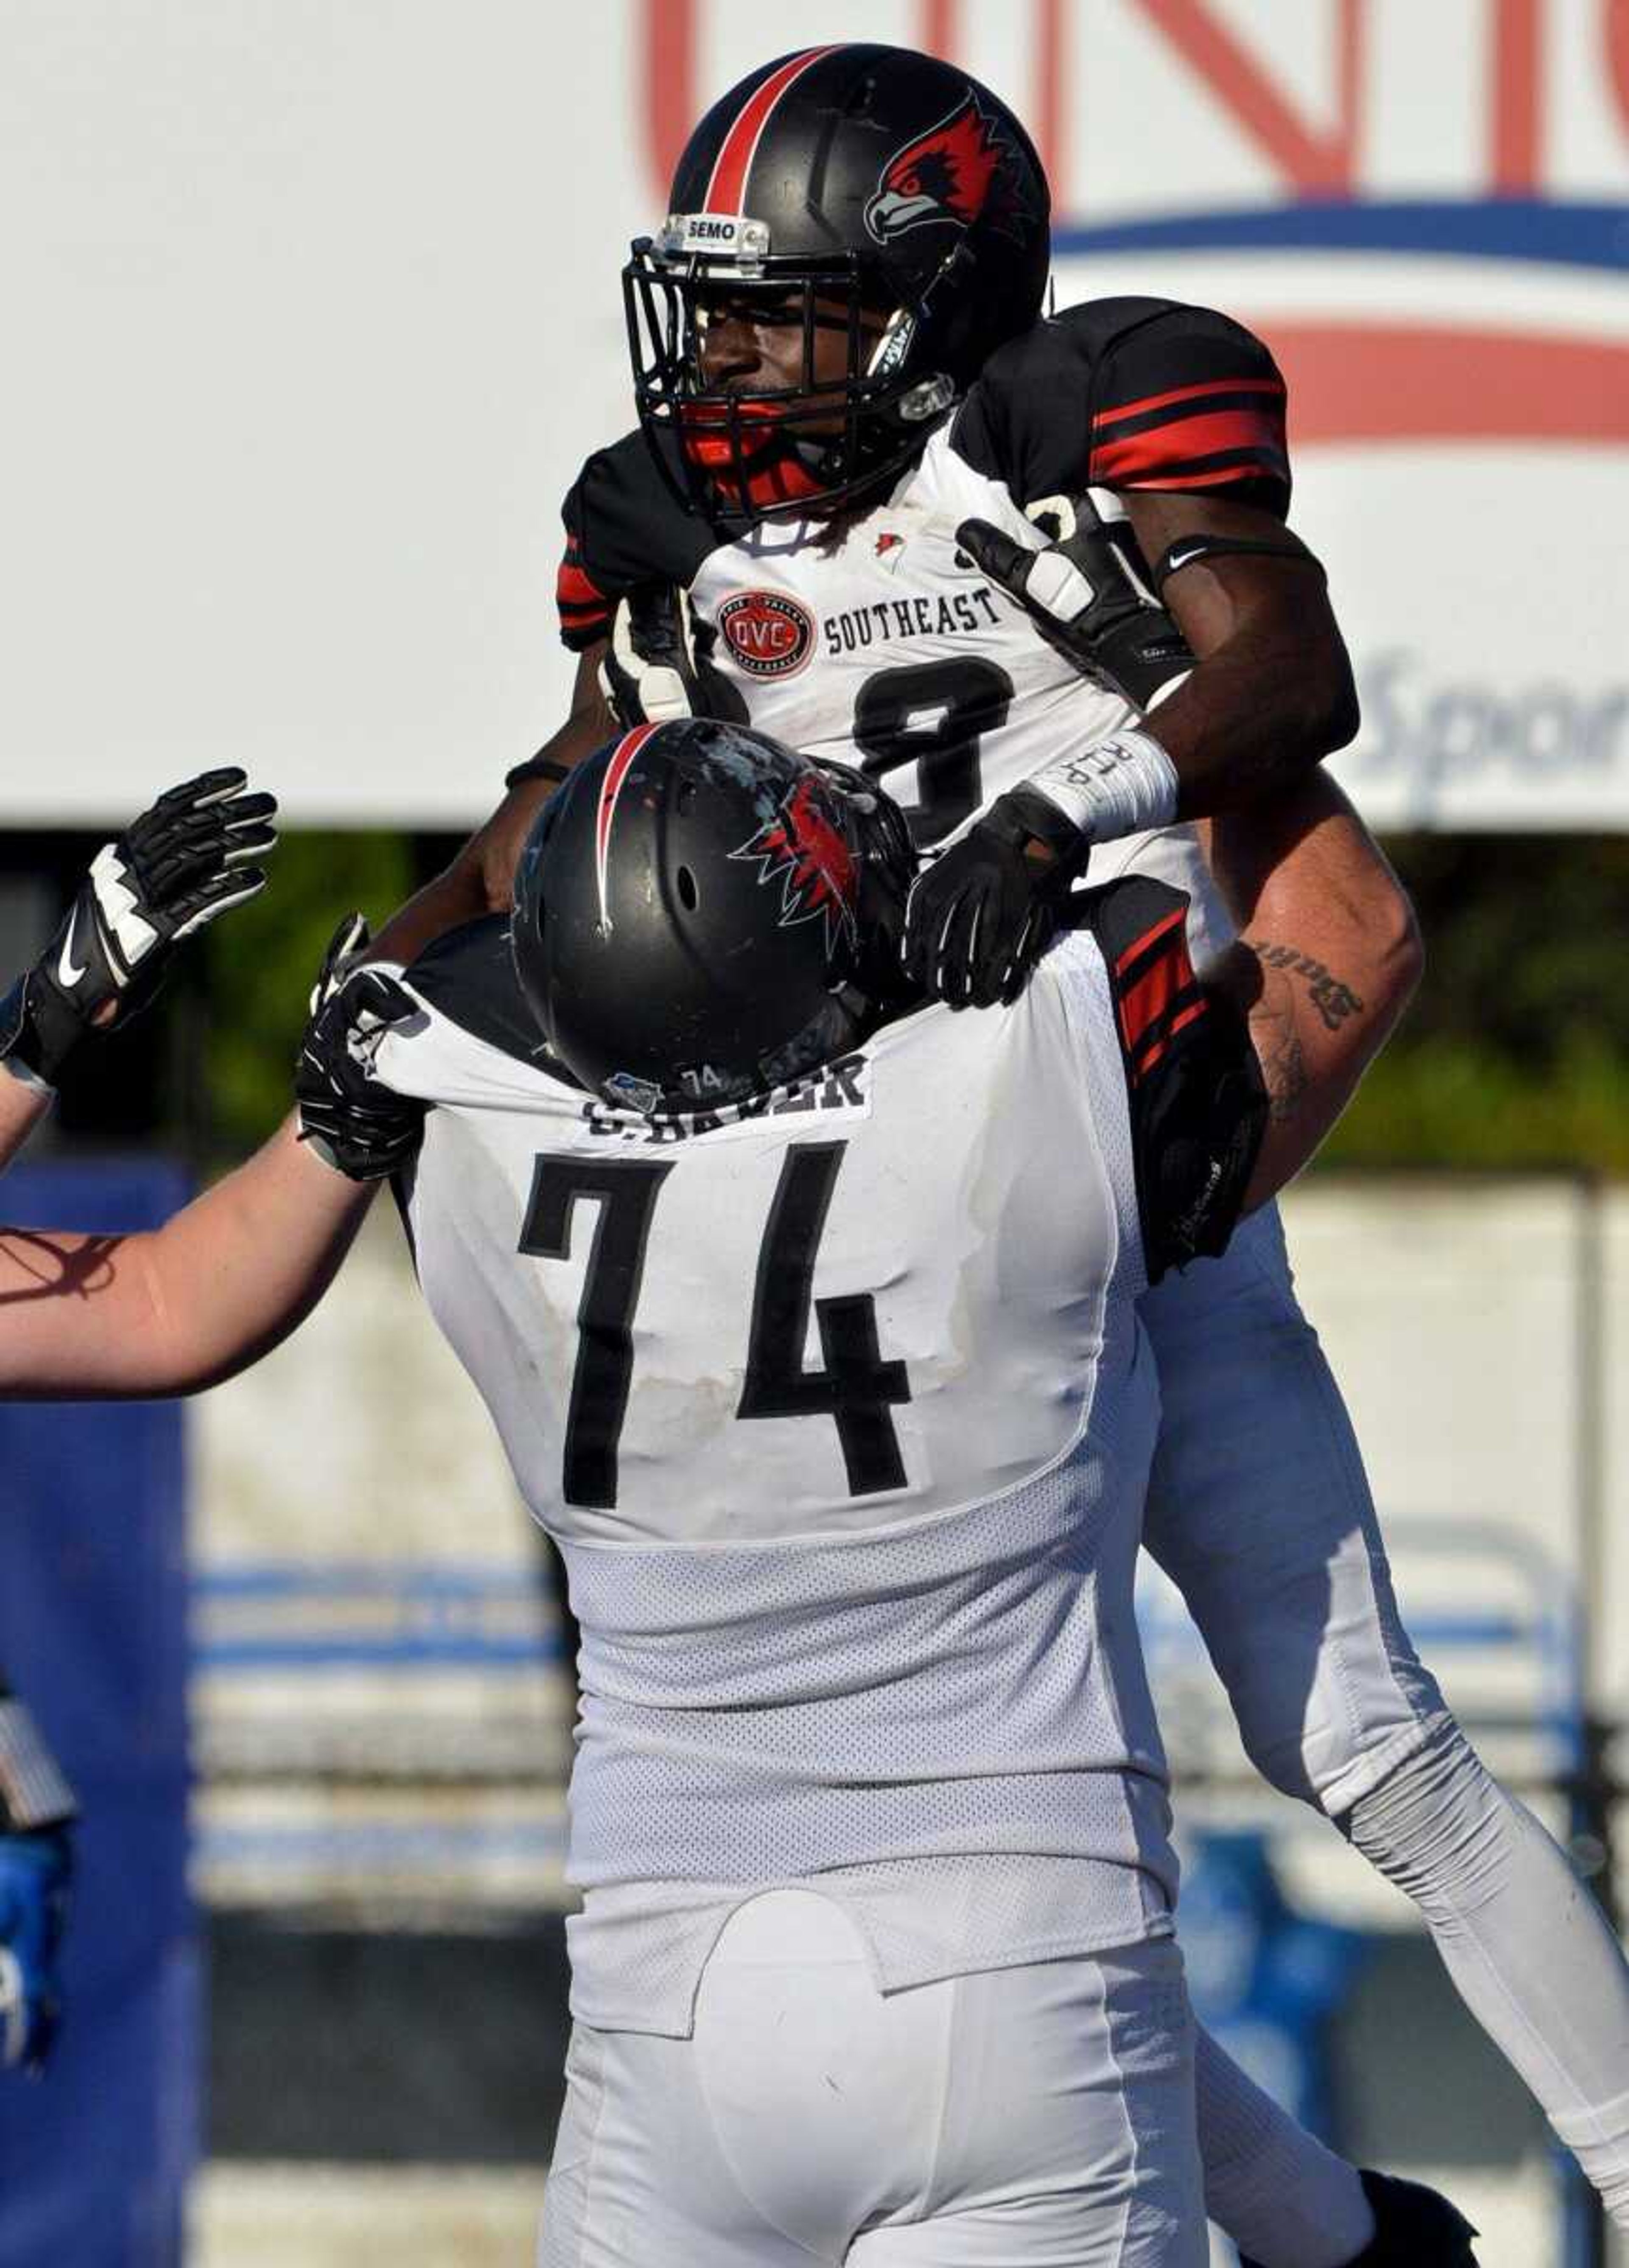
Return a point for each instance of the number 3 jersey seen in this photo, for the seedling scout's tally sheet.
(840, 1410)
(876, 640)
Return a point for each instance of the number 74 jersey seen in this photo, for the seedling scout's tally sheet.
(841, 1413)
(902, 1285)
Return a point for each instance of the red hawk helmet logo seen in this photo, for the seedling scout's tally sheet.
(950, 174)
(801, 848)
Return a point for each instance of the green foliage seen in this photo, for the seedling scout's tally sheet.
(1457, 1103)
(260, 963)
(1516, 1052)
(1524, 939)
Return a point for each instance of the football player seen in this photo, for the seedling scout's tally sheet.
(177, 867)
(807, 1313)
(850, 409)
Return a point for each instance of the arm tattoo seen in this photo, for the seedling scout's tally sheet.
(1278, 1049)
(1333, 1000)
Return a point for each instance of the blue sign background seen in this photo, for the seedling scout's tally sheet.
(94, 2157)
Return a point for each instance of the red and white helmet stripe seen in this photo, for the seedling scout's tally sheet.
(726, 188)
(610, 787)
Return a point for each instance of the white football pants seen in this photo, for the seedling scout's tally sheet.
(1041, 2116)
(1260, 1513)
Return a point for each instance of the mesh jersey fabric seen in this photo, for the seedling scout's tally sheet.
(932, 1697)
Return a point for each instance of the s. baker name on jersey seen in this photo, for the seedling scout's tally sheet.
(843, 1085)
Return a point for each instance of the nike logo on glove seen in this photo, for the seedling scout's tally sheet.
(67, 974)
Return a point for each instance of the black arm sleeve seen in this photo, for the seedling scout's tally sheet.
(1198, 1107)
(1131, 394)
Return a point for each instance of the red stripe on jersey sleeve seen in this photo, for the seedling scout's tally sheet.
(1148, 456)
(1149, 937)
(1151, 402)
(1143, 1004)
(1189, 1016)
(584, 609)
(574, 587)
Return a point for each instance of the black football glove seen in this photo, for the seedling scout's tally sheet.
(981, 915)
(656, 668)
(352, 1121)
(1087, 595)
(180, 866)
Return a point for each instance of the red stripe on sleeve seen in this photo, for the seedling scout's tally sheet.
(574, 587)
(1152, 995)
(1189, 394)
(1119, 464)
(1188, 1016)
(1149, 937)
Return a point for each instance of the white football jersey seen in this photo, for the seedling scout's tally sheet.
(879, 642)
(840, 1410)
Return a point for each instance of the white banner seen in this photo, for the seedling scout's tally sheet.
(313, 314)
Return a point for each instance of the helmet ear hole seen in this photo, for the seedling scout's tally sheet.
(685, 881)
(686, 795)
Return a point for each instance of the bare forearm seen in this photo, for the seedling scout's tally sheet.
(1271, 693)
(1251, 719)
(455, 896)
(179, 1307)
(1328, 958)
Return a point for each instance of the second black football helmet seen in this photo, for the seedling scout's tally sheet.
(700, 915)
(865, 187)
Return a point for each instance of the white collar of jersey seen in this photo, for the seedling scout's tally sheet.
(438, 1061)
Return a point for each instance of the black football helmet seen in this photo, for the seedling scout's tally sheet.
(701, 915)
(864, 188)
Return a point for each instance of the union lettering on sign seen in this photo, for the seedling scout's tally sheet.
(1322, 96)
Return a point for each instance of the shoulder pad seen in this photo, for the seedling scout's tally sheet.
(1131, 393)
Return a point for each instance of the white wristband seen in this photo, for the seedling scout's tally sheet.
(1122, 785)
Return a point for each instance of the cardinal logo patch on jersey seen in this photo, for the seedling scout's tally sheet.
(769, 633)
(800, 848)
(950, 174)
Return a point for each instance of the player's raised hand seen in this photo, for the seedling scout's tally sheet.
(352, 1121)
(36, 1867)
(1087, 593)
(648, 674)
(181, 865)
(655, 669)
